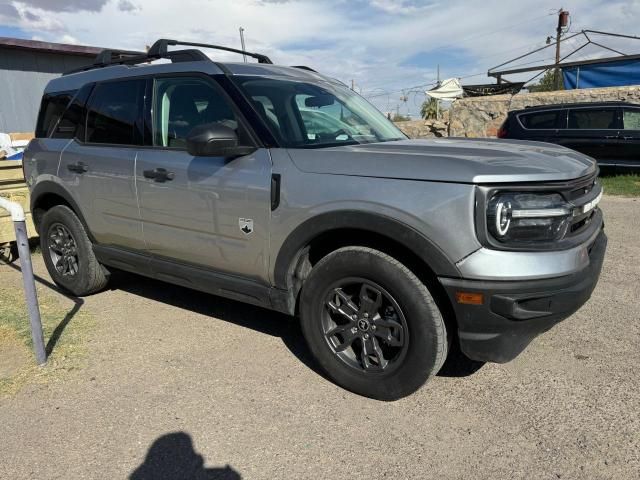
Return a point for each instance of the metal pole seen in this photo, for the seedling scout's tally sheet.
(437, 100)
(242, 43)
(22, 239)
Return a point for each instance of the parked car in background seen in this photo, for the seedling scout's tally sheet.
(607, 131)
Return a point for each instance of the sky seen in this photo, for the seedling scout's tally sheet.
(390, 49)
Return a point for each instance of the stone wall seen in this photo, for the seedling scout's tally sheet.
(482, 116)
(424, 128)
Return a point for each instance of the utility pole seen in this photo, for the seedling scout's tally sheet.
(242, 43)
(438, 100)
(563, 21)
(353, 86)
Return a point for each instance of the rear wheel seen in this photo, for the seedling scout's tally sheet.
(371, 324)
(68, 253)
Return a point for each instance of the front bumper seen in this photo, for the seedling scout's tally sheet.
(514, 312)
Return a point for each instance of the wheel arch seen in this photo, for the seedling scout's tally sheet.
(320, 235)
(48, 194)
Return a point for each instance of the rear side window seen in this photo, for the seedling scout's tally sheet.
(593, 119)
(52, 107)
(631, 120)
(540, 120)
(115, 113)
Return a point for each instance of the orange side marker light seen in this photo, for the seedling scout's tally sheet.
(470, 298)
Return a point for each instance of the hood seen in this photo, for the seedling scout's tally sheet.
(449, 160)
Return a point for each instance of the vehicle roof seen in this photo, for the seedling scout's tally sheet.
(564, 106)
(74, 81)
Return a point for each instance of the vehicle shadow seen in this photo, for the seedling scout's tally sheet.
(59, 329)
(256, 318)
(458, 364)
(172, 457)
(265, 321)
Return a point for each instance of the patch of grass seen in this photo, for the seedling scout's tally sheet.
(625, 185)
(69, 350)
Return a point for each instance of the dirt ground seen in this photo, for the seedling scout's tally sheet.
(179, 384)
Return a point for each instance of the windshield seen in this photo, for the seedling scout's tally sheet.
(309, 114)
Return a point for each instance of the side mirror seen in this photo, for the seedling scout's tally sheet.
(215, 140)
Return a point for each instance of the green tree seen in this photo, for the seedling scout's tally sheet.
(550, 81)
(429, 109)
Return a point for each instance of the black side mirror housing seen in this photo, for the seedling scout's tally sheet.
(215, 140)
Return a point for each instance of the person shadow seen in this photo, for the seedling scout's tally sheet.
(172, 457)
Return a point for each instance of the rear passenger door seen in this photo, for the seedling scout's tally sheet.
(542, 126)
(594, 132)
(99, 163)
(629, 141)
(207, 212)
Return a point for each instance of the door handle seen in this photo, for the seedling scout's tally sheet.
(610, 136)
(78, 167)
(629, 138)
(159, 174)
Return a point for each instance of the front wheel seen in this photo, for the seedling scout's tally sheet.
(372, 324)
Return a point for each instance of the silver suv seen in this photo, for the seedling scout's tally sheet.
(280, 187)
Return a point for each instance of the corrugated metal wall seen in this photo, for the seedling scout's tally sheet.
(23, 76)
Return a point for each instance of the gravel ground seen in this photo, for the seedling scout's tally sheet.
(178, 381)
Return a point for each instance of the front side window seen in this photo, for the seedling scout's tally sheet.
(312, 114)
(631, 119)
(182, 103)
(541, 120)
(114, 113)
(593, 119)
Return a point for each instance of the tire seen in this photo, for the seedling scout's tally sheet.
(64, 242)
(408, 327)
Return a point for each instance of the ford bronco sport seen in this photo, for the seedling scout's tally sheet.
(280, 187)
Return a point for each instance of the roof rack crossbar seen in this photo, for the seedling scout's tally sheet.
(159, 49)
(107, 56)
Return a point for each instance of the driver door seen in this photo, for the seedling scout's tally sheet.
(206, 212)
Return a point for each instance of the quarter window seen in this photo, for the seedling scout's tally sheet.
(631, 120)
(52, 108)
(180, 104)
(593, 119)
(540, 120)
(114, 113)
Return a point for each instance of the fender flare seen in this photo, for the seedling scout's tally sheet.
(47, 187)
(388, 227)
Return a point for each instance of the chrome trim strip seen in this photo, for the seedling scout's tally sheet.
(540, 213)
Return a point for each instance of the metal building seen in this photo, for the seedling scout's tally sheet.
(25, 68)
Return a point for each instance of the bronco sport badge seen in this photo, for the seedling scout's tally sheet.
(246, 225)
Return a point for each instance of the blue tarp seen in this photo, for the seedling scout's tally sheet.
(612, 74)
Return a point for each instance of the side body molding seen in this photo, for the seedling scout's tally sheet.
(382, 225)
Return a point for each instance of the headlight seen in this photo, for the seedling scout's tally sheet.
(518, 218)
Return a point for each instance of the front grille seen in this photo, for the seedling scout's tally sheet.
(581, 189)
(580, 194)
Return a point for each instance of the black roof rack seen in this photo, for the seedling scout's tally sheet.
(158, 50)
(304, 67)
